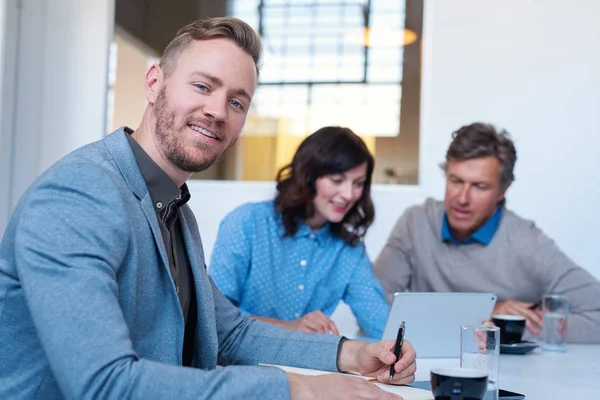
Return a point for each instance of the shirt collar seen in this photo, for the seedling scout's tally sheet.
(161, 188)
(483, 235)
(321, 235)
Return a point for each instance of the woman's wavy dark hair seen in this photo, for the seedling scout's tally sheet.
(330, 150)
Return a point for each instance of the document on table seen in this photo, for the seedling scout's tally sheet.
(407, 392)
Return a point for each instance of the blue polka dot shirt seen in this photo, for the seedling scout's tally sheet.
(268, 275)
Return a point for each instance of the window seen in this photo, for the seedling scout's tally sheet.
(333, 62)
(329, 62)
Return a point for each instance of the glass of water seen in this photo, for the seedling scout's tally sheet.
(480, 349)
(555, 311)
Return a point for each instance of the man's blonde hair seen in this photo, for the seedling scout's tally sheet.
(204, 29)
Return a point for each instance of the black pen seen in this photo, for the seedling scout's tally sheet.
(399, 340)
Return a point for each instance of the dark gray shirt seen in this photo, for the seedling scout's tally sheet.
(167, 198)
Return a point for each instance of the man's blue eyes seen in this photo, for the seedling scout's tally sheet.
(204, 88)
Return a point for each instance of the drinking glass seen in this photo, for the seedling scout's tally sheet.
(555, 311)
(480, 350)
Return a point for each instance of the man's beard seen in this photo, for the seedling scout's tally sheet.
(171, 142)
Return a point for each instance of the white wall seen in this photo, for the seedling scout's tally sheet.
(532, 67)
(9, 18)
(5, 139)
(61, 83)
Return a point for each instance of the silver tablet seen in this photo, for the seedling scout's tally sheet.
(433, 320)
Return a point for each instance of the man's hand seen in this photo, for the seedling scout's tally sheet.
(335, 386)
(374, 359)
(522, 308)
(314, 321)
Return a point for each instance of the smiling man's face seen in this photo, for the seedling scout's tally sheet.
(201, 108)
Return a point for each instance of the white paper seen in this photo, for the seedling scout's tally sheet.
(407, 392)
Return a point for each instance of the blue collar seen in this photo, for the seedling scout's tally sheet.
(483, 235)
(304, 230)
(321, 235)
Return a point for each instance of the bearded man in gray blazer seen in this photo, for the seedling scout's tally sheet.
(103, 286)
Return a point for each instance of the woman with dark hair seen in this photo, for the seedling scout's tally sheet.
(291, 260)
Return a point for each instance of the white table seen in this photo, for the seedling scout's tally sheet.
(541, 375)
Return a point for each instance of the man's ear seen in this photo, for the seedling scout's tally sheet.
(501, 194)
(153, 82)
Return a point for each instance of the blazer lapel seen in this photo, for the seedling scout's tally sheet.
(119, 147)
(207, 344)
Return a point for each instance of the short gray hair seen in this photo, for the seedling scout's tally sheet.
(479, 140)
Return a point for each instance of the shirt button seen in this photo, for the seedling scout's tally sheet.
(297, 315)
(178, 197)
(312, 236)
(303, 263)
(300, 287)
(159, 205)
(177, 289)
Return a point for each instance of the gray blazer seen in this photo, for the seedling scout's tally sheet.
(88, 308)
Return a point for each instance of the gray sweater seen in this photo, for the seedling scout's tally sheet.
(520, 263)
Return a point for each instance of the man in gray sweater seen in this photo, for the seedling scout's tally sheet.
(471, 243)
